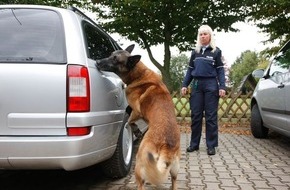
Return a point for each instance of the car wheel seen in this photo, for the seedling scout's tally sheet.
(119, 164)
(257, 128)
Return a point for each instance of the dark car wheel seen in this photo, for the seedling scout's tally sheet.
(119, 164)
(257, 128)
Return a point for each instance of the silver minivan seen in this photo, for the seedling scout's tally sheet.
(57, 111)
(270, 105)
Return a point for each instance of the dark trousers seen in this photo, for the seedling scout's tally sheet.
(204, 99)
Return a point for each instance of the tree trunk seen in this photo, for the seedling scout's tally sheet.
(166, 77)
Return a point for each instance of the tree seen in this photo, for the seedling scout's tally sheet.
(273, 17)
(179, 66)
(263, 61)
(167, 22)
(164, 22)
(244, 65)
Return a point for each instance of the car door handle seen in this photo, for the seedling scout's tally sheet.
(281, 85)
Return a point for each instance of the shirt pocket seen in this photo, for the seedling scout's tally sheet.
(204, 67)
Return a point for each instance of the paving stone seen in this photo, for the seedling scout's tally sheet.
(261, 184)
(196, 182)
(210, 178)
(246, 186)
(242, 162)
(241, 180)
(274, 181)
(223, 175)
(284, 178)
(281, 187)
(228, 183)
(212, 186)
(221, 169)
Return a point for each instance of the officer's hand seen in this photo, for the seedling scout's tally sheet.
(183, 91)
(222, 93)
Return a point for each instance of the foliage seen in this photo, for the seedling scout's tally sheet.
(263, 61)
(244, 65)
(273, 17)
(175, 23)
(178, 68)
(167, 22)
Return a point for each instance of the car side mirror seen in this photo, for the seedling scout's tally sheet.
(258, 73)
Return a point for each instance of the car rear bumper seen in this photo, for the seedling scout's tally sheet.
(59, 152)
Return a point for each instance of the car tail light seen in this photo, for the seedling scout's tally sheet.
(78, 131)
(78, 89)
(78, 96)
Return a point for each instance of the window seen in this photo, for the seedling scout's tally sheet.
(31, 35)
(98, 44)
(281, 62)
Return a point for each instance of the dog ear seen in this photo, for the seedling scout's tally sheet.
(133, 60)
(130, 48)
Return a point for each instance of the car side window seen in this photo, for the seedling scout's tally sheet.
(98, 44)
(281, 63)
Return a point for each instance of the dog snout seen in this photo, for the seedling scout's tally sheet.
(104, 65)
(100, 63)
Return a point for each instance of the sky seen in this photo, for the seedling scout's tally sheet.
(232, 44)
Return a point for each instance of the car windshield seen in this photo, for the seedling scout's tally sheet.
(31, 35)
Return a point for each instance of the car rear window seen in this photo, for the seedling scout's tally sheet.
(31, 35)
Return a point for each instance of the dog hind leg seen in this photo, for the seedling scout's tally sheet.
(173, 173)
(174, 182)
(139, 179)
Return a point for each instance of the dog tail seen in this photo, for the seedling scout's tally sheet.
(157, 169)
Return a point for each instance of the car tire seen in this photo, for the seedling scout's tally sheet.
(257, 128)
(120, 163)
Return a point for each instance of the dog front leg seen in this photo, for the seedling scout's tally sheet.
(132, 119)
(134, 116)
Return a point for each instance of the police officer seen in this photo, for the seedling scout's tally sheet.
(206, 72)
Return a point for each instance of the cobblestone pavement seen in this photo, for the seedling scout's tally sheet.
(241, 163)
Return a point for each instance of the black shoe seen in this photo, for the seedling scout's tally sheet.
(191, 149)
(211, 151)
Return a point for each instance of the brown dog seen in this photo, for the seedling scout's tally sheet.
(159, 152)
